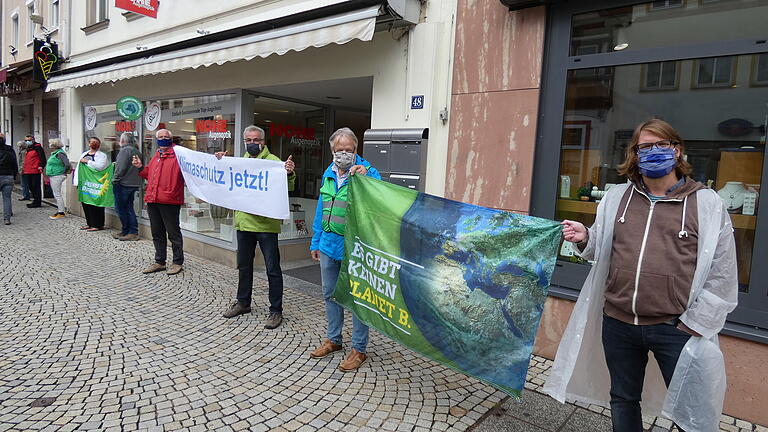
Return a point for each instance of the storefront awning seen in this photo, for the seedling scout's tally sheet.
(338, 29)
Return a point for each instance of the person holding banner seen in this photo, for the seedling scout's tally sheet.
(57, 169)
(328, 244)
(125, 183)
(664, 280)
(255, 230)
(96, 161)
(164, 197)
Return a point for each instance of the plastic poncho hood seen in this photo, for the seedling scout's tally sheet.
(695, 396)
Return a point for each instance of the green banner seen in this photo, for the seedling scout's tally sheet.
(95, 187)
(461, 284)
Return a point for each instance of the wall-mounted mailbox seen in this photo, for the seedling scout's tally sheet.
(400, 155)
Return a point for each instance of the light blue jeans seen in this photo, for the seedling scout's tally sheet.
(6, 186)
(329, 270)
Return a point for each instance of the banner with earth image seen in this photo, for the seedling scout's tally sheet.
(95, 187)
(461, 284)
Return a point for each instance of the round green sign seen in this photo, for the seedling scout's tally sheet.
(130, 108)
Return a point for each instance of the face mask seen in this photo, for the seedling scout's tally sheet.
(164, 142)
(253, 149)
(343, 160)
(28, 143)
(656, 162)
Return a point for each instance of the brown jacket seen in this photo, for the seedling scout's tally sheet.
(654, 255)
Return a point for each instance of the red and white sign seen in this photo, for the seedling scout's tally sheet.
(291, 131)
(144, 7)
(216, 129)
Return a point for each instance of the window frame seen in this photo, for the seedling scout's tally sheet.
(755, 63)
(644, 87)
(54, 11)
(15, 29)
(696, 85)
(667, 6)
(752, 311)
(31, 9)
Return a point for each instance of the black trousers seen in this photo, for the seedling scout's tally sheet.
(33, 180)
(164, 222)
(94, 216)
(246, 251)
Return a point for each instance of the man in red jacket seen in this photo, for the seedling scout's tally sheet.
(164, 196)
(34, 163)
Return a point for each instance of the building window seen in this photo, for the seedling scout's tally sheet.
(660, 76)
(667, 4)
(30, 23)
(760, 70)
(97, 11)
(715, 72)
(54, 16)
(15, 29)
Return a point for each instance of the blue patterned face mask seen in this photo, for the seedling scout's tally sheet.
(164, 142)
(656, 162)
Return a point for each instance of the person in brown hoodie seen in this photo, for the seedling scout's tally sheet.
(654, 255)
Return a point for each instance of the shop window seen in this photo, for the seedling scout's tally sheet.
(639, 27)
(298, 130)
(205, 124)
(724, 143)
(760, 70)
(660, 76)
(715, 72)
(668, 4)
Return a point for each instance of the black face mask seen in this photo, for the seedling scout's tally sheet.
(253, 149)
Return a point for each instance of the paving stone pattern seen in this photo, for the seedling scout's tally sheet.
(87, 342)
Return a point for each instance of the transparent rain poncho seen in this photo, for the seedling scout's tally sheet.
(695, 397)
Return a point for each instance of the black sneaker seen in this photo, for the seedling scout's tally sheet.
(236, 309)
(33, 205)
(274, 320)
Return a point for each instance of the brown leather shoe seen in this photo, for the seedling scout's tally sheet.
(327, 347)
(353, 361)
(154, 267)
(174, 269)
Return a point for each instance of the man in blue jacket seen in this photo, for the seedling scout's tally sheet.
(328, 243)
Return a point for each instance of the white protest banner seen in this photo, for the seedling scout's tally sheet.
(255, 186)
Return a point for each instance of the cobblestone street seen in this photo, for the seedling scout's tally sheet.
(87, 342)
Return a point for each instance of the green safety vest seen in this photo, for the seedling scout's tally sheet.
(334, 206)
(54, 166)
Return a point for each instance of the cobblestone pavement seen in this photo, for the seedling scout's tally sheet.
(87, 342)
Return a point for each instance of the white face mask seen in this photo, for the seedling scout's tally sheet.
(343, 160)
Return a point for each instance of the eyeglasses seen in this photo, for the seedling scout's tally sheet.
(253, 140)
(663, 144)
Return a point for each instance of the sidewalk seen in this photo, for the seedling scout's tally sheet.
(87, 342)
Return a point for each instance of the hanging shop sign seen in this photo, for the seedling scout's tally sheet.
(152, 116)
(130, 108)
(45, 60)
(90, 118)
(143, 7)
(125, 126)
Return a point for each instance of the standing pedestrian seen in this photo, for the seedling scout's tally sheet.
(328, 244)
(56, 169)
(663, 281)
(97, 161)
(164, 197)
(126, 183)
(22, 146)
(8, 171)
(34, 163)
(255, 230)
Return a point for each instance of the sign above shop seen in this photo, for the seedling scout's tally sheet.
(90, 118)
(152, 116)
(130, 108)
(45, 60)
(125, 126)
(417, 102)
(216, 129)
(143, 7)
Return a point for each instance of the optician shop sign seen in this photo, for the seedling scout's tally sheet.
(216, 129)
(143, 7)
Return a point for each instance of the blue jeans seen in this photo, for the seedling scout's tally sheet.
(24, 187)
(124, 208)
(6, 186)
(626, 349)
(329, 270)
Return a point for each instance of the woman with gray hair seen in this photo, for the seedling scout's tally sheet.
(125, 183)
(56, 169)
